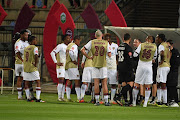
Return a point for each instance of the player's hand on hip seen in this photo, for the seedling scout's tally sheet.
(60, 64)
(82, 65)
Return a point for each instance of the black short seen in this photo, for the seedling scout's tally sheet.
(124, 76)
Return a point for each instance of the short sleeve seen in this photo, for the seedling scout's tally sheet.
(161, 48)
(35, 51)
(57, 49)
(17, 47)
(88, 45)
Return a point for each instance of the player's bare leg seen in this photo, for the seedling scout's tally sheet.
(154, 91)
(19, 87)
(68, 90)
(60, 89)
(135, 93)
(147, 94)
(78, 90)
(96, 91)
(105, 91)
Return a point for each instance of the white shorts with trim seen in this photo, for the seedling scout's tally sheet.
(100, 73)
(19, 70)
(32, 76)
(66, 75)
(144, 75)
(73, 74)
(87, 75)
(60, 73)
(112, 76)
(162, 73)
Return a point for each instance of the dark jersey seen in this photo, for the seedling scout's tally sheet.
(125, 58)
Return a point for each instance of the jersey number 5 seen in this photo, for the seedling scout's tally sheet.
(121, 56)
(99, 50)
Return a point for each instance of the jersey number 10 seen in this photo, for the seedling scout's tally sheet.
(99, 51)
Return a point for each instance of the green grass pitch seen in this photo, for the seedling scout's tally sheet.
(13, 109)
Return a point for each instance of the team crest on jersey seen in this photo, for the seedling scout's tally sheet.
(63, 17)
(36, 51)
(16, 47)
(72, 48)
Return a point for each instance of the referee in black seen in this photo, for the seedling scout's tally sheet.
(125, 70)
(172, 78)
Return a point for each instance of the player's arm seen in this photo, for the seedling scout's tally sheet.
(53, 56)
(73, 53)
(83, 60)
(161, 53)
(87, 47)
(17, 51)
(36, 56)
(137, 51)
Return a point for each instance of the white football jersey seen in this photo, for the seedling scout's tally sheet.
(20, 45)
(61, 50)
(111, 61)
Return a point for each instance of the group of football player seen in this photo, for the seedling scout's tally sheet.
(103, 63)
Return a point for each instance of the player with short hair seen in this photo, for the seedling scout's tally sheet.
(60, 51)
(164, 56)
(72, 68)
(147, 52)
(125, 69)
(19, 46)
(30, 68)
(99, 48)
(112, 66)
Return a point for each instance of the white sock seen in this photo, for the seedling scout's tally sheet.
(135, 93)
(68, 92)
(113, 92)
(147, 94)
(59, 89)
(38, 92)
(158, 95)
(27, 93)
(164, 94)
(78, 92)
(97, 98)
(19, 92)
(83, 89)
(106, 98)
(63, 91)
